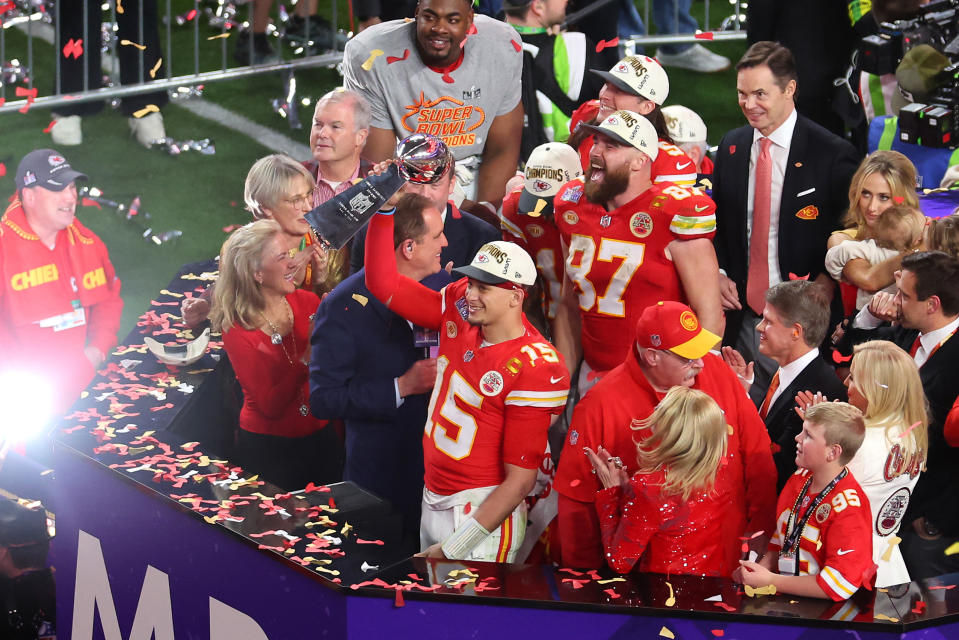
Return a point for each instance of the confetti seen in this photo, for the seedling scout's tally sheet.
(898, 199)
(369, 567)
(362, 541)
(119, 6)
(219, 36)
(911, 427)
(893, 541)
(793, 276)
(705, 35)
(398, 600)
(575, 482)
(611, 593)
(516, 46)
(725, 607)
(920, 608)
(392, 59)
(942, 586)
(882, 616)
(131, 43)
(952, 549)
(374, 54)
(447, 78)
(363, 300)
(73, 48)
(666, 633)
(838, 358)
(156, 67)
(3, 169)
(50, 126)
(768, 590)
(606, 44)
(719, 633)
(346, 529)
(671, 600)
(150, 108)
(29, 94)
(610, 580)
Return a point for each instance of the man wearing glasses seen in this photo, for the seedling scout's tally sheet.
(670, 349)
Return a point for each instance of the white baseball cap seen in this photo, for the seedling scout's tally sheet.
(548, 168)
(629, 128)
(498, 262)
(639, 75)
(684, 124)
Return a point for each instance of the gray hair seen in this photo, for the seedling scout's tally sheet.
(269, 180)
(361, 107)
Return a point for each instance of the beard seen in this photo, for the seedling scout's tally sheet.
(613, 183)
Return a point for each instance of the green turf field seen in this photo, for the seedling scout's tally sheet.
(200, 194)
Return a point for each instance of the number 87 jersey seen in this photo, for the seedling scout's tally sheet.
(492, 404)
(618, 260)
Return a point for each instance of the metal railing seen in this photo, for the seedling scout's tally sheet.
(41, 19)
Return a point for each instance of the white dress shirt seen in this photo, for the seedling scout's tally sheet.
(929, 341)
(789, 372)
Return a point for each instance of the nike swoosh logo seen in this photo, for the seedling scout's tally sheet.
(680, 167)
(555, 380)
(842, 552)
(702, 208)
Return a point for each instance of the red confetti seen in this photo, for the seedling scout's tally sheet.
(87, 202)
(398, 600)
(793, 276)
(906, 432)
(392, 59)
(2, 101)
(942, 586)
(572, 572)
(919, 608)
(517, 45)
(73, 48)
(168, 405)
(719, 633)
(838, 358)
(603, 44)
(574, 482)
(28, 93)
(3, 169)
(724, 606)
(50, 126)
(611, 593)
(362, 541)
(190, 14)
(332, 503)
(732, 149)
(706, 35)
(231, 228)
(447, 78)
(468, 507)
(898, 199)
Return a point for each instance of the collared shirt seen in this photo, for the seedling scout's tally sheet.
(789, 372)
(928, 342)
(779, 152)
(326, 189)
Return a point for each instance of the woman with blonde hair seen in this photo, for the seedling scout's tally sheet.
(884, 384)
(266, 323)
(663, 517)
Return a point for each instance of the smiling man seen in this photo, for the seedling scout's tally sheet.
(341, 123)
(447, 74)
(780, 185)
(628, 243)
(59, 295)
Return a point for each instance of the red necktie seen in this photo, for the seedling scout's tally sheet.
(757, 280)
(915, 347)
(773, 386)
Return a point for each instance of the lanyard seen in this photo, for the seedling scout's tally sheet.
(794, 530)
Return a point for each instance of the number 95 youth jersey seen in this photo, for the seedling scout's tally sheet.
(492, 403)
(618, 262)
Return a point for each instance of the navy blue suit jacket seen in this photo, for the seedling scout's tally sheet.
(359, 347)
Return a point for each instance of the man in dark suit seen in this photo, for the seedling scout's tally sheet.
(366, 370)
(927, 307)
(802, 188)
(464, 232)
(793, 325)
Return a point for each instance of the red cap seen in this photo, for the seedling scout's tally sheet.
(673, 326)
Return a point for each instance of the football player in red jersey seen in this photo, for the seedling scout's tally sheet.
(528, 220)
(629, 243)
(499, 384)
(639, 84)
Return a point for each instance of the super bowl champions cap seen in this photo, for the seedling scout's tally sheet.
(46, 168)
(629, 128)
(498, 262)
(684, 124)
(548, 168)
(639, 75)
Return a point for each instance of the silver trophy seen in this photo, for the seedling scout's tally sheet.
(420, 158)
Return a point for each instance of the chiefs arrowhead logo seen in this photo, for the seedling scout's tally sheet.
(808, 213)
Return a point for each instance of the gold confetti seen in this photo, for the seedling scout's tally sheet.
(611, 580)
(219, 36)
(150, 108)
(794, 602)
(887, 554)
(346, 529)
(156, 67)
(666, 633)
(706, 182)
(131, 43)
(538, 210)
(953, 549)
(768, 590)
(461, 572)
(361, 299)
(818, 545)
(671, 600)
(332, 572)
(374, 54)
(84, 394)
(882, 616)
(119, 6)
(210, 519)
(729, 429)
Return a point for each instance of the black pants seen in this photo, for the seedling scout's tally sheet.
(72, 70)
(292, 463)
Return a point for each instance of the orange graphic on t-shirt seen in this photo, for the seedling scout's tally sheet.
(452, 124)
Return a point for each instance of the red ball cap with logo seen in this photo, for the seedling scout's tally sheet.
(673, 326)
(499, 262)
(46, 168)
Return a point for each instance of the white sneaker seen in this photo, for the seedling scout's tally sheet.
(66, 131)
(148, 128)
(695, 58)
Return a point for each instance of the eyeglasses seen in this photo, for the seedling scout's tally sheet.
(306, 198)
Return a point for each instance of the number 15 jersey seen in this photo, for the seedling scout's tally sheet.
(492, 403)
(618, 262)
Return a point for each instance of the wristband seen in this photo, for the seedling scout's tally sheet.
(387, 212)
(466, 538)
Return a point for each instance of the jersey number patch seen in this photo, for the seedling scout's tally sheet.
(611, 301)
(460, 443)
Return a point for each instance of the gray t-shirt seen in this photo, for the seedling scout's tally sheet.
(458, 106)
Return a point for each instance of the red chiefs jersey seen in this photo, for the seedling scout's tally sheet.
(836, 543)
(672, 164)
(480, 412)
(618, 262)
(539, 236)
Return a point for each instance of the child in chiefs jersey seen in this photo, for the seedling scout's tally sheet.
(499, 384)
(822, 547)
